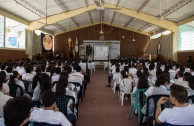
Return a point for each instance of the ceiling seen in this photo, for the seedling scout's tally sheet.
(32, 10)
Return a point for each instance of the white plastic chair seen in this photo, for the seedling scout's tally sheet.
(127, 89)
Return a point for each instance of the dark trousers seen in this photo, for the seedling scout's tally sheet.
(110, 78)
(71, 118)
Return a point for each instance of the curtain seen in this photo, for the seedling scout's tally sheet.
(33, 43)
(153, 46)
(166, 46)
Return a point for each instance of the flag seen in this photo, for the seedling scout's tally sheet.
(76, 45)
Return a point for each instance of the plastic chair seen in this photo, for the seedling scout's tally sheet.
(127, 89)
(138, 103)
(62, 103)
(28, 87)
(190, 99)
(155, 98)
(13, 90)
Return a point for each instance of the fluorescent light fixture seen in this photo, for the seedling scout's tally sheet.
(167, 32)
(37, 32)
(156, 36)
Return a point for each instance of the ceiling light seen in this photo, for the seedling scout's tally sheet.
(101, 32)
(37, 32)
(133, 40)
(156, 36)
(167, 32)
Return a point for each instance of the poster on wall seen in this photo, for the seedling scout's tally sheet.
(47, 42)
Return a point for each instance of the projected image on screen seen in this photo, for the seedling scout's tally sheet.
(101, 52)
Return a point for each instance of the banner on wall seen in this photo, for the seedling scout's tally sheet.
(47, 42)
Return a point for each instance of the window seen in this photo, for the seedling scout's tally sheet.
(14, 34)
(1, 31)
(186, 37)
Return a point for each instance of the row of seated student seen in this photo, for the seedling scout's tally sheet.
(159, 78)
(65, 79)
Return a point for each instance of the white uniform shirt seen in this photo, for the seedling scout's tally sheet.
(3, 99)
(5, 88)
(49, 116)
(178, 116)
(55, 78)
(28, 77)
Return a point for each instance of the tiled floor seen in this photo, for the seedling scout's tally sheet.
(101, 107)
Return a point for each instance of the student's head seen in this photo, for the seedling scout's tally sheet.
(17, 111)
(158, 72)
(8, 69)
(180, 74)
(139, 73)
(192, 69)
(61, 85)
(191, 82)
(45, 83)
(143, 82)
(162, 80)
(78, 68)
(178, 94)
(28, 68)
(48, 99)
(3, 66)
(117, 70)
(2, 75)
(14, 75)
(58, 70)
(186, 76)
(39, 69)
(124, 74)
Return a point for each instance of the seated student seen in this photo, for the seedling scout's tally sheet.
(16, 112)
(180, 115)
(5, 88)
(40, 84)
(8, 72)
(192, 70)
(56, 77)
(49, 113)
(186, 77)
(117, 76)
(126, 82)
(180, 77)
(190, 90)
(28, 76)
(3, 98)
(158, 89)
(77, 76)
(21, 69)
(14, 79)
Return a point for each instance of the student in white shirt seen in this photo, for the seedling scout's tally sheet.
(182, 114)
(3, 98)
(158, 89)
(42, 83)
(186, 77)
(190, 90)
(77, 76)
(5, 88)
(117, 76)
(14, 79)
(55, 78)
(21, 69)
(16, 112)
(28, 76)
(180, 77)
(49, 113)
(8, 72)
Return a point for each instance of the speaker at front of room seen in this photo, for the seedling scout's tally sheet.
(88, 50)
